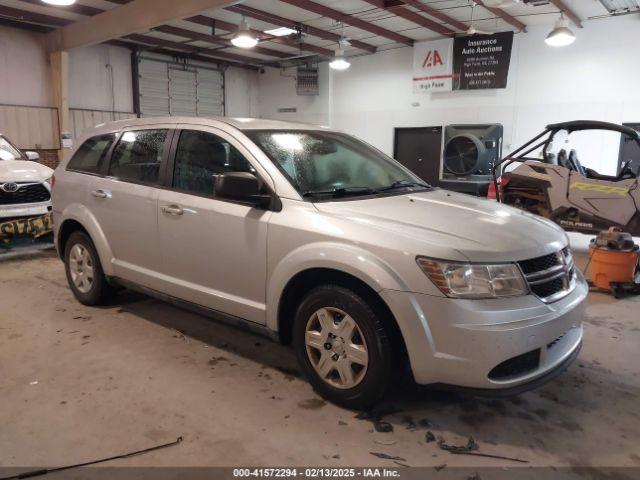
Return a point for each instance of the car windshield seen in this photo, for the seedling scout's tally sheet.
(8, 151)
(319, 163)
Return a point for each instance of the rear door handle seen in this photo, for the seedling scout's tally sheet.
(172, 210)
(101, 194)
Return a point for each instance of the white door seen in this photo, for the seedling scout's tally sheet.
(214, 252)
(170, 89)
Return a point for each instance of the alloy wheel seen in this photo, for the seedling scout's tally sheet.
(81, 268)
(336, 348)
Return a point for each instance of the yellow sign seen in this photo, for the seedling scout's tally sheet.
(596, 187)
(26, 227)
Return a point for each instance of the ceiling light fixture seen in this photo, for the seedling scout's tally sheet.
(60, 3)
(339, 62)
(244, 37)
(281, 32)
(561, 35)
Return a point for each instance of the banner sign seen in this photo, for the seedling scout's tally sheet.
(433, 66)
(482, 61)
(471, 62)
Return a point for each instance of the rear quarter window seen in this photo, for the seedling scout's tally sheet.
(91, 156)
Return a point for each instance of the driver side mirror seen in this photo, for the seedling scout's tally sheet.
(241, 187)
(33, 156)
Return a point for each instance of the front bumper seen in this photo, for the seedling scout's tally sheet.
(461, 342)
(24, 210)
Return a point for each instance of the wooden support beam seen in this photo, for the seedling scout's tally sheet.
(499, 12)
(59, 62)
(568, 12)
(349, 20)
(133, 17)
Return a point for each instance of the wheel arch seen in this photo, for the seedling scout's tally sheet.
(79, 218)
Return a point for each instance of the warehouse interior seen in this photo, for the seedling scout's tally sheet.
(79, 383)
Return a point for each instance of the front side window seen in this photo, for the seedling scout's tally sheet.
(138, 156)
(321, 163)
(200, 157)
(91, 154)
(8, 151)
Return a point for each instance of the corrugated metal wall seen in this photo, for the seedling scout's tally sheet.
(82, 120)
(30, 127)
(37, 127)
(167, 88)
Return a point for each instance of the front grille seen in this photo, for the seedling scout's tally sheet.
(550, 276)
(26, 193)
(515, 366)
(539, 264)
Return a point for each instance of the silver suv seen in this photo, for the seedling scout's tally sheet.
(315, 238)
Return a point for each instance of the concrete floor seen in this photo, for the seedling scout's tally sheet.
(80, 383)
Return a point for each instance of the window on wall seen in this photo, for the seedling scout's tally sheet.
(91, 155)
(200, 157)
(138, 156)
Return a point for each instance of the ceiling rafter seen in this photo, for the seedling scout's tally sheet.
(232, 27)
(435, 13)
(203, 37)
(136, 37)
(285, 22)
(499, 12)
(173, 53)
(401, 11)
(349, 19)
(568, 12)
(32, 17)
(183, 32)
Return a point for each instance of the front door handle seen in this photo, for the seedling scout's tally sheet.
(172, 210)
(101, 194)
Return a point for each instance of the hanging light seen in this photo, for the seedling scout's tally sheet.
(60, 3)
(561, 35)
(244, 37)
(339, 62)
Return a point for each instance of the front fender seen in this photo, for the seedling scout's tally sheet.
(84, 217)
(336, 256)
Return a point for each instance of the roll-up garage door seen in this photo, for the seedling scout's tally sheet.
(167, 88)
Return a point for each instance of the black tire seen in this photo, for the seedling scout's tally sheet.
(373, 385)
(100, 290)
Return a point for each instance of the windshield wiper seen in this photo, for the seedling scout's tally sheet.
(340, 192)
(403, 184)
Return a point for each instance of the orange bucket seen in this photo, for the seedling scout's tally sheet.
(612, 266)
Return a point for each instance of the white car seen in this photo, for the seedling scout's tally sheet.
(25, 184)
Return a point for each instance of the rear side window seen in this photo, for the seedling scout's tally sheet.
(200, 157)
(138, 155)
(91, 155)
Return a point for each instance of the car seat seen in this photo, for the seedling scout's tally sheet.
(575, 164)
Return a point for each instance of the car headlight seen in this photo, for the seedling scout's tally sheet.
(467, 280)
(49, 180)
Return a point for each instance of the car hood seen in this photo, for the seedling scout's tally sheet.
(438, 223)
(23, 171)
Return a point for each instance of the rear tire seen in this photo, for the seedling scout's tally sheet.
(84, 271)
(342, 346)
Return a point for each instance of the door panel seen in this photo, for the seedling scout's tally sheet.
(419, 149)
(213, 251)
(124, 202)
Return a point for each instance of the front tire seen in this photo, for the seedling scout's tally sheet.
(84, 271)
(342, 346)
